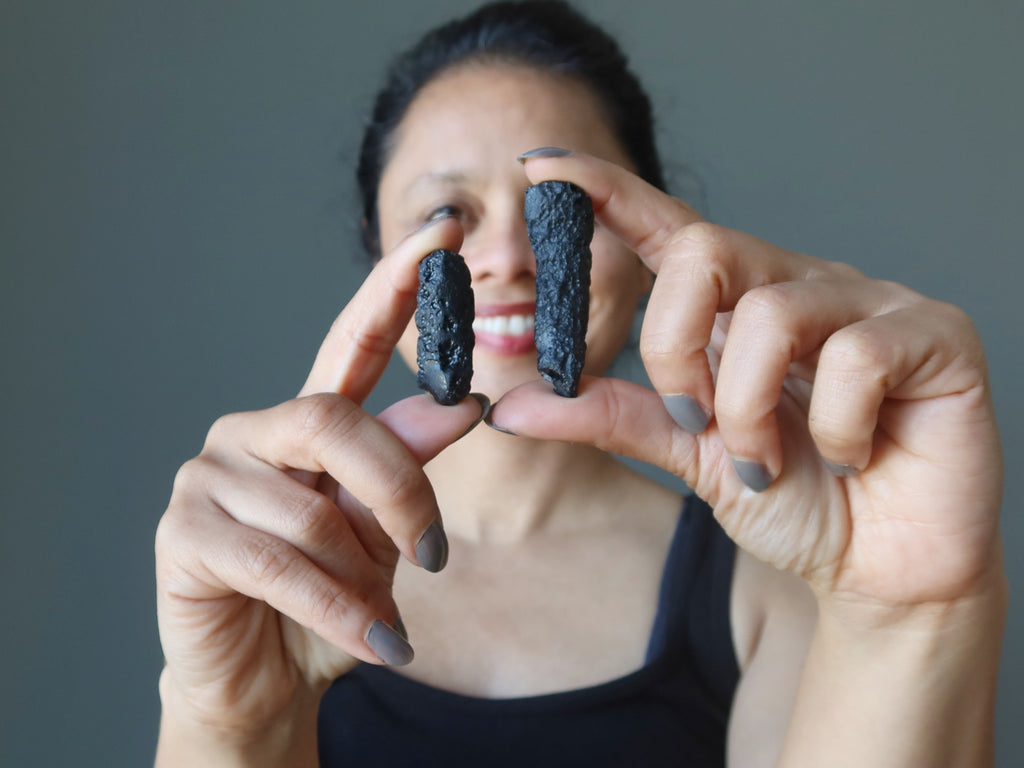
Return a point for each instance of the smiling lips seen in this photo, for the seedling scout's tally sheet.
(505, 329)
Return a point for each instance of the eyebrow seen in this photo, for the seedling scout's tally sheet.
(435, 178)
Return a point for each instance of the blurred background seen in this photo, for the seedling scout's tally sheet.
(178, 230)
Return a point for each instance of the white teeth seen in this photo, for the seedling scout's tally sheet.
(504, 325)
(516, 325)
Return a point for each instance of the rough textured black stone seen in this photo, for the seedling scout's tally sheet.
(444, 319)
(560, 222)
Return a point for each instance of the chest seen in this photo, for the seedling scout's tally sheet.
(555, 615)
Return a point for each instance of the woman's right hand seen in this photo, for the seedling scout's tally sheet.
(276, 555)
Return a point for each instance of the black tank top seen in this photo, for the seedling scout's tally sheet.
(671, 712)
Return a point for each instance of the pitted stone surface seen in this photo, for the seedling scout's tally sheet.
(560, 223)
(444, 319)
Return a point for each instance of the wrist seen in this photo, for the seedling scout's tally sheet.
(982, 602)
(287, 738)
(901, 685)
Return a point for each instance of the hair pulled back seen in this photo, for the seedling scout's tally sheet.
(546, 34)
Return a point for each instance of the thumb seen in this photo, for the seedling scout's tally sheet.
(427, 428)
(613, 415)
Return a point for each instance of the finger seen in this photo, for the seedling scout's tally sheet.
(330, 433)
(703, 269)
(773, 327)
(226, 557)
(427, 428)
(638, 213)
(265, 499)
(613, 415)
(924, 352)
(360, 342)
(709, 270)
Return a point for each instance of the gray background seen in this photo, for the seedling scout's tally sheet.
(175, 236)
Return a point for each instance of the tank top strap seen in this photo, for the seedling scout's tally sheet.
(692, 624)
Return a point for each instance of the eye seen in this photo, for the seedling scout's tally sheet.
(445, 210)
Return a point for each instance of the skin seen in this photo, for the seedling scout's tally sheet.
(452, 156)
(867, 608)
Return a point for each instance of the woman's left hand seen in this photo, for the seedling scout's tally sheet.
(842, 427)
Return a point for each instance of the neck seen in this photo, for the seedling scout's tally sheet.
(496, 488)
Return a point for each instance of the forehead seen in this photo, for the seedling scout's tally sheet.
(482, 113)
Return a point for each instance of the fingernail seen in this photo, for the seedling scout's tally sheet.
(390, 647)
(399, 626)
(686, 412)
(753, 474)
(432, 222)
(485, 409)
(842, 470)
(489, 421)
(432, 548)
(543, 152)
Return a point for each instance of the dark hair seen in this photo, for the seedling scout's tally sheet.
(547, 34)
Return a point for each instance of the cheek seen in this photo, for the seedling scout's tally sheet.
(617, 276)
(407, 345)
(618, 280)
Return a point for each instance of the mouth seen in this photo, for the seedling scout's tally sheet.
(505, 329)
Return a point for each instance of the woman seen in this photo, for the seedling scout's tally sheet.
(569, 611)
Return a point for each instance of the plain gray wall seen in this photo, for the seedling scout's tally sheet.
(175, 235)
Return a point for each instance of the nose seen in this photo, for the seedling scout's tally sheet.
(499, 248)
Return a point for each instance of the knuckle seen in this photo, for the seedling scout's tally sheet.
(328, 605)
(838, 270)
(168, 533)
(711, 250)
(659, 344)
(326, 418)
(404, 488)
(267, 559)
(177, 535)
(193, 478)
(311, 516)
(855, 354)
(953, 316)
(223, 430)
(766, 305)
(731, 410)
(706, 237)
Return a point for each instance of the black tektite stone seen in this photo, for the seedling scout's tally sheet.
(444, 319)
(560, 222)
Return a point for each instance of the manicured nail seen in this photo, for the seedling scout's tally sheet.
(842, 470)
(686, 412)
(485, 409)
(389, 645)
(753, 474)
(399, 626)
(543, 152)
(432, 548)
(432, 222)
(489, 421)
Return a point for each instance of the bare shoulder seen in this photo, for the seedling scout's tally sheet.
(773, 616)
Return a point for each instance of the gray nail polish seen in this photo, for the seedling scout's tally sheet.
(432, 548)
(485, 409)
(399, 626)
(842, 470)
(490, 423)
(686, 412)
(432, 222)
(753, 474)
(390, 647)
(544, 152)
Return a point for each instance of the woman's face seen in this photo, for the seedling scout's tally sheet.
(455, 153)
